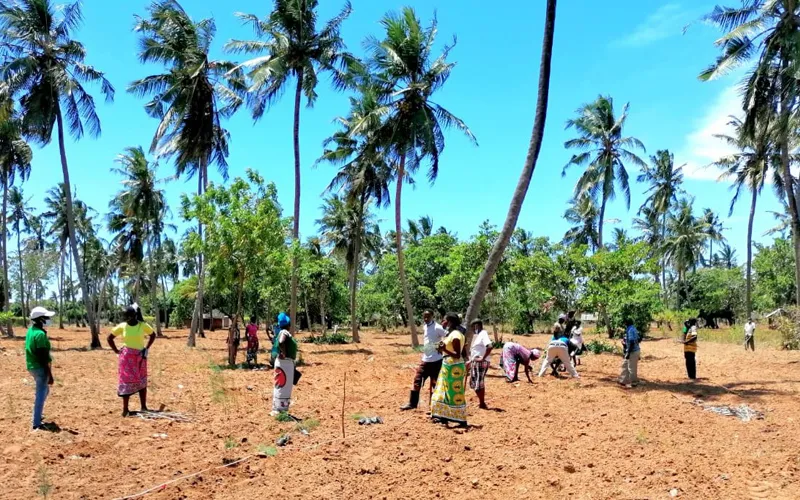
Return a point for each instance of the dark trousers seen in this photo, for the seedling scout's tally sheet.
(750, 342)
(691, 364)
(426, 371)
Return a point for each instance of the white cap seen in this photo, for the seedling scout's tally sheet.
(40, 311)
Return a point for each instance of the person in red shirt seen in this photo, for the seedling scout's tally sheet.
(251, 334)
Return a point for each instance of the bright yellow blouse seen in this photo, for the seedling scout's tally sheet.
(132, 336)
(454, 335)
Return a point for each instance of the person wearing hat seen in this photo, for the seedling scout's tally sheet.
(38, 360)
(479, 363)
(132, 371)
(286, 376)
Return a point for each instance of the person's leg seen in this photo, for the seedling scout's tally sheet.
(143, 399)
(563, 354)
(547, 360)
(624, 372)
(692, 365)
(633, 367)
(125, 400)
(40, 379)
(419, 379)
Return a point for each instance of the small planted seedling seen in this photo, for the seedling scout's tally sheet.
(284, 417)
(267, 450)
(307, 425)
(230, 443)
(44, 486)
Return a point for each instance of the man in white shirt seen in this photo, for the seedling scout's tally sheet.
(479, 361)
(431, 362)
(749, 335)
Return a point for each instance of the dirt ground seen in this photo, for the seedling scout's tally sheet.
(556, 438)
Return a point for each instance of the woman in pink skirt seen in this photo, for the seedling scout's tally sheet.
(514, 355)
(132, 357)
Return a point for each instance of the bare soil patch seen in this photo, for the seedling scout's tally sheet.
(556, 438)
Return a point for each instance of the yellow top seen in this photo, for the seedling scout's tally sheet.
(132, 336)
(448, 341)
(691, 340)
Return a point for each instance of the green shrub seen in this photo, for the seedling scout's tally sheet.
(789, 328)
(329, 339)
(284, 417)
(599, 347)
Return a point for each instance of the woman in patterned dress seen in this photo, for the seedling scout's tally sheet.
(449, 403)
(514, 355)
(132, 357)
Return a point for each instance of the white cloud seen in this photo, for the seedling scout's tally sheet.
(665, 22)
(701, 148)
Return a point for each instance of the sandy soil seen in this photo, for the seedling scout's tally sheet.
(553, 439)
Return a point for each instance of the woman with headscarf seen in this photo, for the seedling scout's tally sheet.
(449, 403)
(515, 355)
(132, 374)
(285, 350)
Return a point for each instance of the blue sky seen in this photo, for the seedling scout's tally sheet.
(633, 50)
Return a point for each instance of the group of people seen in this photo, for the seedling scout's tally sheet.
(447, 364)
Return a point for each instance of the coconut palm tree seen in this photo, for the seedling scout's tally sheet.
(534, 147)
(749, 168)
(364, 176)
(142, 205)
(604, 151)
(665, 184)
(15, 160)
(727, 256)
(714, 229)
(686, 239)
(46, 69)
(19, 219)
(290, 46)
(412, 130)
(190, 99)
(351, 231)
(583, 215)
(651, 232)
(765, 31)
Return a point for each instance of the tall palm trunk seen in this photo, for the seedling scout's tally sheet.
(6, 287)
(663, 257)
(61, 290)
(21, 281)
(154, 286)
(73, 241)
(535, 145)
(322, 298)
(788, 178)
(298, 94)
(748, 289)
(197, 317)
(600, 224)
(308, 311)
(401, 268)
(354, 281)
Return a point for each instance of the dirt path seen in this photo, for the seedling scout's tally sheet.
(555, 438)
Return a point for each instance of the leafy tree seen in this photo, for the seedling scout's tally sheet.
(614, 283)
(714, 229)
(687, 235)
(413, 128)
(189, 100)
(773, 266)
(18, 218)
(46, 69)
(291, 46)
(604, 151)
(715, 290)
(244, 233)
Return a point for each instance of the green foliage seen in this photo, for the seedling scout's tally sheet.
(230, 443)
(43, 484)
(267, 450)
(595, 346)
(617, 283)
(329, 339)
(714, 289)
(773, 267)
(307, 425)
(789, 328)
(284, 417)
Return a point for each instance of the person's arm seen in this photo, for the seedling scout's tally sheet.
(626, 346)
(152, 335)
(488, 352)
(42, 355)
(281, 346)
(456, 348)
(529, 369)
(111, 343)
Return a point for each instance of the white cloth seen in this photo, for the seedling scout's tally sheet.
(749, 329)
(558, 350)
(480, 342)
(577, 338)
(284, 383)
(433, 334)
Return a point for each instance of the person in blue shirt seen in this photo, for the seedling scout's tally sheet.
(629, 375)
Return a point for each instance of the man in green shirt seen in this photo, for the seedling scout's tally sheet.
(37, 358)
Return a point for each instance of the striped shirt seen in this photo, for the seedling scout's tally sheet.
(690, 344)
